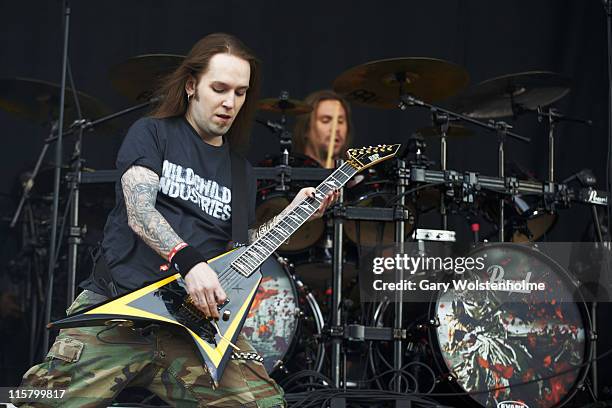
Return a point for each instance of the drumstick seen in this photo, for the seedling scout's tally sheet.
(332, 141)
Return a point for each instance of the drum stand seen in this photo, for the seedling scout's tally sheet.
(336, 303)
(285, 138)
(501, 128)
(443, 122)
(400, 236)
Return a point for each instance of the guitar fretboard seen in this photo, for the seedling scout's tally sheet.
(265, 245)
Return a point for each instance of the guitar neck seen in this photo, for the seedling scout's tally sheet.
(264, 246)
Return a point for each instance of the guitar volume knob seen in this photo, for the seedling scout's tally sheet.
(226, 315)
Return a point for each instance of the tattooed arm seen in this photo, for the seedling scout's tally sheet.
(140, 186)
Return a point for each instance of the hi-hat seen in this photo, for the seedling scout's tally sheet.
(510, 95)
(379, 83)
(286, 106)
(139, 77)
(39, 101)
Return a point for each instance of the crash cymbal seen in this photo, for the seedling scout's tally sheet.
(138, 78)
(510, 94)
(289, 106)
(453, 131)
(38, 101)
(377, 83)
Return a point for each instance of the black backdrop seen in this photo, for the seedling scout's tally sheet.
(304, 46)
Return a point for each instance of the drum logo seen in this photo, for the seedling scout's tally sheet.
(596, 199)
(512, 404)
(497, 276)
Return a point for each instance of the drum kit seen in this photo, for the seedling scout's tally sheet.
(300, 319)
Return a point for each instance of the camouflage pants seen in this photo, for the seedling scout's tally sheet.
(94, 365)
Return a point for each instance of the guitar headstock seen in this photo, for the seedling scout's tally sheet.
(364, 157)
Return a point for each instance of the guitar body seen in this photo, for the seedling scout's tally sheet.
(166, 302)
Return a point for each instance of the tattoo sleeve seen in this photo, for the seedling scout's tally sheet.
(140, 186)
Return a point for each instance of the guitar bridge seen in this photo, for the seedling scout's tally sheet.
(190, 316)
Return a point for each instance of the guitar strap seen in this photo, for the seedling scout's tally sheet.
(239, 200)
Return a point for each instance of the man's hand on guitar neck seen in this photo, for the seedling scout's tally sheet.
(205, 290)
(306, 192)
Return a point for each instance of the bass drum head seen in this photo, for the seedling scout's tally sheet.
(488, 340)
(273, 324)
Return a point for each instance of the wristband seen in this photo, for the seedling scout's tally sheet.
(174, 250)
(185, 259)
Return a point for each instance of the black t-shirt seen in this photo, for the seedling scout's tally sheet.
(194, 196)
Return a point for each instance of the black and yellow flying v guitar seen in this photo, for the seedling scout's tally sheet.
(167, 302)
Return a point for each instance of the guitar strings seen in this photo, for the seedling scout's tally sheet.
(325, 185)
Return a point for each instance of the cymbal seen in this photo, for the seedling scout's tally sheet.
(38, 101)
(507, 95)
(453, 131)
(377, 83)
(138, 77)
(289, 106)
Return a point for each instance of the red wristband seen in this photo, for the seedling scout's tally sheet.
(177, 248)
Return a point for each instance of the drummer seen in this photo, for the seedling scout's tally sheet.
(312, 133)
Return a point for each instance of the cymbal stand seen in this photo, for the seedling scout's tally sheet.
(56, 181)
(555, 117)
(400, 234)
(29, 183)
(501, 128)
(336, 324)
(443, 122)
(285, 139)
(75, 232)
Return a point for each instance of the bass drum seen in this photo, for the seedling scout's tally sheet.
(489, 340)
(285, 322)
(271, 202)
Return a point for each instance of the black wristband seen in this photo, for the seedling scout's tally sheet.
(185, 259)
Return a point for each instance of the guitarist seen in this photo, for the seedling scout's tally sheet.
(175, 205)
